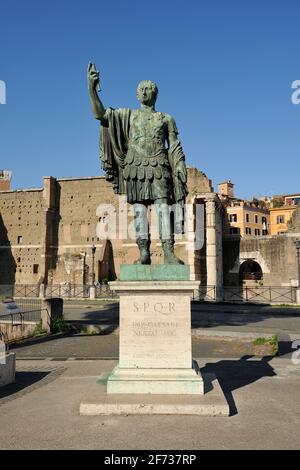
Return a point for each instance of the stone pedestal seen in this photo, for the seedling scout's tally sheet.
(92, 292)
(298, 296)
(155, 339)
(156, 373)
(52, 310)
(7, 369)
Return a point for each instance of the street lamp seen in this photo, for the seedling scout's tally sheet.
(297, 244)
(93, 248)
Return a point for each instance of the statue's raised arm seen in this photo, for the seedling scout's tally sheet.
(93, 79)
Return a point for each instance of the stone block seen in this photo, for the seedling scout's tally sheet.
(155, 339)
(185, 381)
(7, 369)
(212, 403)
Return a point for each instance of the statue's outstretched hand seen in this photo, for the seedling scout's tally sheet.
(93, 76)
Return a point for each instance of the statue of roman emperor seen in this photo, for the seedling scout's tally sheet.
(143, 158)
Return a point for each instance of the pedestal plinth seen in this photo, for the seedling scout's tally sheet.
(156, 373)
(155, 339)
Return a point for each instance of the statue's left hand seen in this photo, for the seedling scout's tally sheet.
(181, 171)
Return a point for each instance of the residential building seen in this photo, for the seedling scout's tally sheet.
(291, 199)
(244, 218)
(280, 217)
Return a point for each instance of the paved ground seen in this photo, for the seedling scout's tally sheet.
(107, 347)
(41, 410)
(253, 318)
(205, 318)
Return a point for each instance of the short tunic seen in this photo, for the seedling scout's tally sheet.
(147, 171)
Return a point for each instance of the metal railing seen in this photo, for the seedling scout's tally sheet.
(28, 309)
(20, 318)
(260, 294)
(205, 294)
(26, 290)
(103, 291)
(27, 296)
(67, 291)
(19, 290)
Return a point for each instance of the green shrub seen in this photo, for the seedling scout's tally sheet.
(58, 325)
(272, 341)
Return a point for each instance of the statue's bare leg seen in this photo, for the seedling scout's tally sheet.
(142, 233)
(166, 230)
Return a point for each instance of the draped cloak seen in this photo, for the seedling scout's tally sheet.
(114, 137)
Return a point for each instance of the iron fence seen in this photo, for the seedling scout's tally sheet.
(26, 290)
(205, 294)
(104, 291)
(27, 296)
(21, 318)
(67, 291)
(260, 294)
(21, 310)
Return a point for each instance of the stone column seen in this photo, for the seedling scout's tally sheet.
(42, 291)
(92, 292)
(298, 296)
(49, 226)
(52, 310)
(212, 255)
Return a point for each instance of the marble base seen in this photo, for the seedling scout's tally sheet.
(155, 339)
(213, 403)
(156, 381)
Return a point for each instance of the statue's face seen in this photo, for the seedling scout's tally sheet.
(147, 92)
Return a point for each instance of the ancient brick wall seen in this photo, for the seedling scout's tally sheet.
(46, 235)
(21, 218)
(276, 256)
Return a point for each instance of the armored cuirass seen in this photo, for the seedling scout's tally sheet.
(147, 156)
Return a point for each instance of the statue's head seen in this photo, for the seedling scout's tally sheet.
(147, 92)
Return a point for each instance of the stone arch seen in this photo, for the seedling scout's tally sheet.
(250, 270)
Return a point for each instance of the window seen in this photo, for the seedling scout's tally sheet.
(280, 219)
(257, 231)
(247, 217)
(264, 220)
(234, 231)
(248, 231)
(35, 268)
(256, 219)
(265, 232)
(232, 217)
(20, 239)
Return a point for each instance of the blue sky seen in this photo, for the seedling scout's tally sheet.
(224, 70)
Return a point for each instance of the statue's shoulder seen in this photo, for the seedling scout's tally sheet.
(168, 118)
(170, 122)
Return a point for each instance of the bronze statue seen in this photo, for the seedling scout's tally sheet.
(143, 158)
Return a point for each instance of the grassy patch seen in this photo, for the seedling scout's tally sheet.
(38, 329)
(59, 325)
(271, 341)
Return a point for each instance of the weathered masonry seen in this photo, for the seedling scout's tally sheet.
(46, 234)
